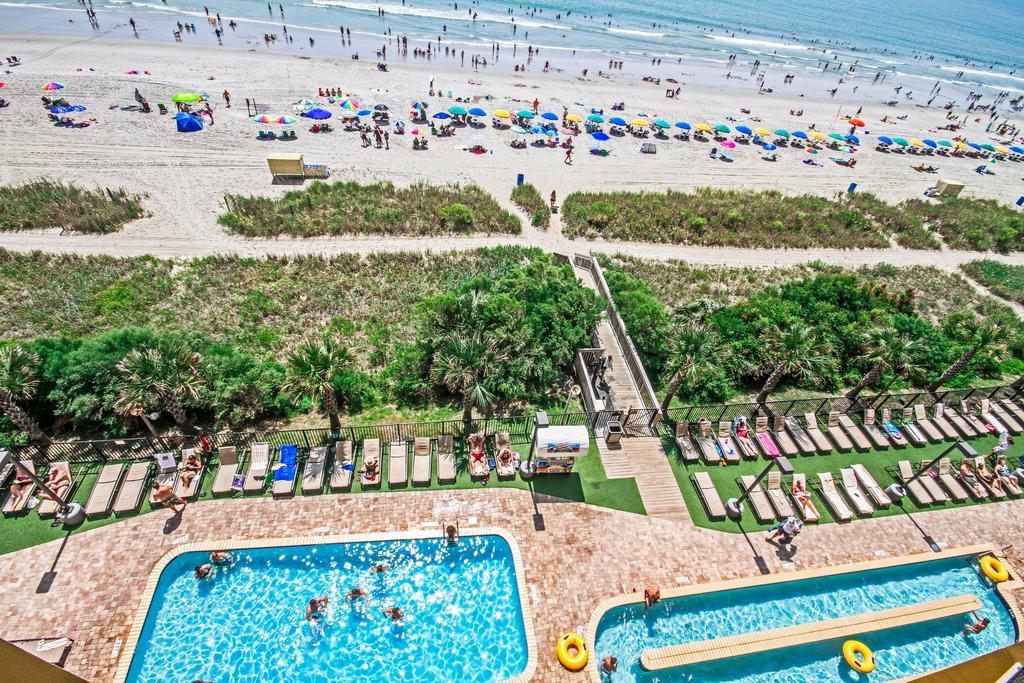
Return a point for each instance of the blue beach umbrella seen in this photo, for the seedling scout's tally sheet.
(885, 140)
(318, 114)
(1018, 150)
(930, 143)
(618, 120)
(600, 137)
(744, 130)
(187, 123)
(854, 139)
(477, 111)
(800, 134)
(975, 145)
(364, 112)
(549, 116)
(769, 147)
(682, 125)
(442, 115)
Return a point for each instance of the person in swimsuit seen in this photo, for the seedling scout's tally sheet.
(967, 476)
(356, 594)
(977, 627)
(315, 608)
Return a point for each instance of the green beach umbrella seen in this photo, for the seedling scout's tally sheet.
(594, 118)
(722, 128)
(900, 141)
(525, 114)
(945, 143)
(662, 124)
(457, 111)
(186, 97)
(988, 148)
(782, 132)
(836, 136)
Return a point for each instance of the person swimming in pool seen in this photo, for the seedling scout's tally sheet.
(395, 613)
(315, 608)
(356, 594)
(379, 568)
(204, 571)
(221, 558)
(977, 627)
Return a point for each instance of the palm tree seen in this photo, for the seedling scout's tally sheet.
(694, 353)
(463, 364)
(310, 371)
(160, 377)
(886, 347)
(18, 382)
(984, 334)
(798, 350)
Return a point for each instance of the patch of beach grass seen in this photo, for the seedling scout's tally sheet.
(527, 198)
(43, 204)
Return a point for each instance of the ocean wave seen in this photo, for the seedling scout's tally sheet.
(982, 72)
(450, 15)
(759, 43)
(633, 32)
(39, 6)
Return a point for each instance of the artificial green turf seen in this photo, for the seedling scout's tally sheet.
(725, 478)
(586, 484)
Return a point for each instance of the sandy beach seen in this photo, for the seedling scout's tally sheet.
(184, 176)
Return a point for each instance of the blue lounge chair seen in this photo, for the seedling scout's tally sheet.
(284, 476)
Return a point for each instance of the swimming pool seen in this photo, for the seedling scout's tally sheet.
(626, 631)
(463, 615)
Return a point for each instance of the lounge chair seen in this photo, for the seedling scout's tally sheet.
(839, 437)
(959, 422)
(344, 466)
(821, 444)
(805, 507)
(800, 436)
(446, 458)
(398, 463)
(421, 461)
(867, 482)
(763, 511)
(893, 430)
(313, 470)
(369, 473)
(726, 446)
(924, 423)
(166, 472)
(940, 421)
(976, 423)
(706, 442)
(910, 430)
(854, 432)
(685, 445)
(741, 430)
(709, 495)
(190, 490)
(994, 492)
(1005, 416)
(479, 467)
(764, 438)
(840, 510)
(853, 491)
(48, 506)
(1013, 409)
(286, 472)
(915, 489)
(129, 498)
(783, 438)
(931, 484)
(259, 465)
(993, 425)
(952, 483)
(879, 437)
(102, 495)
(227, 469)
(778, 497)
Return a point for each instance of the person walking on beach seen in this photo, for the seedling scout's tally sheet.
(227, 99)
(132, 22)
(387, 138)
(568, 155)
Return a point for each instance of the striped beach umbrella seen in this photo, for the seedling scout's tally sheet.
(349, 105)
(419, 105)
(53, 85)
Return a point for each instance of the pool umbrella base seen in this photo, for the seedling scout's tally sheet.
(733, 508)
(896, 492)
(74, 514)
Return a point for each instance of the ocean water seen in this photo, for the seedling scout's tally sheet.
(462, 622)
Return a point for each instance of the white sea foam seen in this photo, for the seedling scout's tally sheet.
(437, 14)
(757, 43)
(632, 32)
(982, 72)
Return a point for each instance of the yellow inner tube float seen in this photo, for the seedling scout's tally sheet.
(572, 651)
(994, 569)
(865, 663)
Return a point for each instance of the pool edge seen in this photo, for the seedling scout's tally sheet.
(139, 619)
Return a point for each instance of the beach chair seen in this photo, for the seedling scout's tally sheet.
(854, 493)
(877, 435)
(285, 474)
(987, 417)
(191, 490)
(259, 465)
(915, 489)
(778, 497)
(867, 482)
(313, 470)
(1012, 409)
(709, 495)
(446, 459)
(685, 445)
(854, 432)
(102, 495)
(727, 447)
(648, 148)
(893, 429)
(940, 421)
(369, 474)
(398, 464)
(48, 506)
(839, 437)
(227, 469)
(166, 472)
(808, 510)
(930, 429)
(840, 510)
(783, 438)
(129, 497)
(911, 430)
(977, 424)
(421, 461)
(763, 511)
(744, 443)
(764, 438)
(964, 426)
(707, 444)
(1005, 416)
(994, 493)
(800, 436)
(951, 482)
(821, 444)
(344, 466)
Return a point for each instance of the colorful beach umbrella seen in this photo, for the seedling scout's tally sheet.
(318, 114)
(419, 105)
(852, 138)
(285, 119)
(836, 136)
(704, 128)
(599, 136)
(988, 148)
(769, 147)
(477, 111)
(975, 146)
(857, 122)
(264, 118)
(885, 140)
(800, 134)
(304, 104)
(1017, 150)
(762, 131)
(960, 145)
(575, 118)
(901, 142)
(457, 111)
(524, 114)
(682, 125)
(782, 132)
(594, 118)
(363, 112)
(1002, 150)
(640, 122)
(349, 105)
(945, 143)
(745, 130)
(618, 120)
(662, 124)
(817, 135)
(503, 114)
(916, 143)
(729, 144)
(54, 85)
(722, 128)
(549, 116)
(186, 97)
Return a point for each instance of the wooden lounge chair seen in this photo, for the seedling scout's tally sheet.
(840, 510)
(839, 437)
(313, 470)
(421, 461)
(940, 421)
(930, 429)
(987, 417)
(785, 441)
(369, 473)
(1012, 409)
(821, 444)
(800, 436)
(707, 444)
(709, 495)
(963, 426)
(893, 430)
(857, 435)
(129, 498)
(286, 472)
(1005, 416)
(860, 500)
(398, 464)
(952, 483)
(763, 511)
(729, 452)
(910, 430)
(764, 438)
(344, 466)
(779, 498)
(259, 465)
(972, 419)
(166, 472)
(879, 439)
(446, 459)
(867, 482)
(48, 506)
(744, 443)
(931, 485)
(102, 495)
(915, 489)
(685, 445)
(227, 468)
(190, 490)
(808, 510)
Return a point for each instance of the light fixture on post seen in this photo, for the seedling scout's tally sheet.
(734, 506)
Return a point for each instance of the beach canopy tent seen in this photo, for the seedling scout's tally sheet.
(744, 130)
(503, 114)
(457, 111)
(476, 111)
(550, 116)
(618, 120)
(595, 118)
(318, 114)
(187, 123)
(184, 97)
(52, 85)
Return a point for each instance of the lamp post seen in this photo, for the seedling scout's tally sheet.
(897, 491)
(734, 506)
(73, 513)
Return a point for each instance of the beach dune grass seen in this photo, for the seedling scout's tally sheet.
(350, 208)
(972, 224)
(43, 204)
(1002, 279)
(527, 198)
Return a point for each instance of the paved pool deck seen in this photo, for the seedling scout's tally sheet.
(582, 556)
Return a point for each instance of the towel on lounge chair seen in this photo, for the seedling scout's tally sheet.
(284, 475)
(344, 465)
(369, 475)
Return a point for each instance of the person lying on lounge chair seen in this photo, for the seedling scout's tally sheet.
(804, 497)
(505, 457)
(370, 469)
(189, 469)
(1003, 474)
(968, 477)
(983, 472)
(58, 481)
(22, 483)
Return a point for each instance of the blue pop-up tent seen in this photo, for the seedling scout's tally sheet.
(187, 123)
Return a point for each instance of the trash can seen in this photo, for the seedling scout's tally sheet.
(851, 188)
(520, 178)
(613, 432)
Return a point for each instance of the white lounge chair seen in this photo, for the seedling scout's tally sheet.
(758, 500)
(930, 429)
(102, 495)
(1013, 409)
(972, 419)
(994, 493)
(952, 483)
(398, 463)
(446, 459)
(840, 510)
(987, 416)
(421, 461)
(764, 438)
(839, 437)
(910, 430)
(729, 450)
(821, 444)
(915, 489)
(129, 498)
(962, 425)
(870, 485)
(227, 468)
(745, 443)
(783, 438)
(779, 498)
(344, 466)
(806, 508)
(259, 465)
(313, 470)
(166, 472)
(1005, 416)
(800, 436)
(854, 431)
(879, 438)
(684, 443)
(709, 495)
(853, 491)
(931, 485)
(940, 421)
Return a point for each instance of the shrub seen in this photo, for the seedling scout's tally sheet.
(46, 204)
(527, 198)
(456, 217)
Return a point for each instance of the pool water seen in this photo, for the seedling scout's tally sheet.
(463, 620)
(627, 631)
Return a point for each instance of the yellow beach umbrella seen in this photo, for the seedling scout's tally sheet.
(762, 131)
(640, 122)
(960, 145)
(574, 117)
(916, 143)
(817, 135)
(503, 114)
(704, 128)
(1003, 150)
